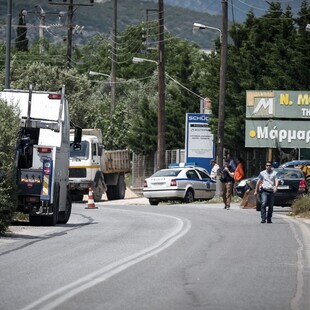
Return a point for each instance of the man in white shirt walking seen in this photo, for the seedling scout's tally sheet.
(269, 186)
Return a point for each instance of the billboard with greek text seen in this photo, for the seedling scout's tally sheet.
(273, 133)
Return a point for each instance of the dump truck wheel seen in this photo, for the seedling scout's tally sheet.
(98, 191)
(117, 191)
(120, 188)
(110, 193)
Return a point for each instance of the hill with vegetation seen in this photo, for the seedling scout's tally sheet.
(88, 20)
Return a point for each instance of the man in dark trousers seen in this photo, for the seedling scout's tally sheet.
(269, 185)
(227, 178)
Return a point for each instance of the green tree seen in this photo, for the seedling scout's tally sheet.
(142, 134)
(9, 124)
(51, 78)
(267, 53)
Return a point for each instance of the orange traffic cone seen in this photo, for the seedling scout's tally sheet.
(91, 203)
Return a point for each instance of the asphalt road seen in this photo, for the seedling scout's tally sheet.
(130, 255)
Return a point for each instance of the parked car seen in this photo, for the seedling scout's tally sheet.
(303, 165)
(292, 184)
(186, 184)
(296, 163)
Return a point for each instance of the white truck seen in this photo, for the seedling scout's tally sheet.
(93, 167)
(42, 155)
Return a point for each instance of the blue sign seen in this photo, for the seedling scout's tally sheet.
(199, 146)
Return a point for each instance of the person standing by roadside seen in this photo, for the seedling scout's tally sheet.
(214, 170)
(231, 161)
(269, 186)
(227, 178)
(239, 172)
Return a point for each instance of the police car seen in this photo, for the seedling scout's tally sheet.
(180, 182)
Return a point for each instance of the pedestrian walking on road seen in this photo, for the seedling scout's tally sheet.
(267, 184)
(227, 178)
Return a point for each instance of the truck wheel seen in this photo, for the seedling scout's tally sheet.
(51, 220)
(98, 192)
(120, 188)
(110, 193)
(35, 220)
(64, 216)
(77, 197)
(117, 191)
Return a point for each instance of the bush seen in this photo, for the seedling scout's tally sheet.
(301, 206)
(9, 125)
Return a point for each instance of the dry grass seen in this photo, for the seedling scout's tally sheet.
(301, 207)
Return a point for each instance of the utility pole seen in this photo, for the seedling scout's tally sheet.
(69, 34)
(161, 143)
(8, 45)
(221, 108)
(71, 6)
(113, 65)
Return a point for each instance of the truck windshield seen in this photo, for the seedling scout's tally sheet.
(83, 152)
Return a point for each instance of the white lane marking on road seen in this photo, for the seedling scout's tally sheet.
(59, 296)
(300, 260)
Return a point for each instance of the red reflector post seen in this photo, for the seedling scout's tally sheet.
(44, 150)
(54, 96)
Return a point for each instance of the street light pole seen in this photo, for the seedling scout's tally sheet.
(197, 26)
(221, 107)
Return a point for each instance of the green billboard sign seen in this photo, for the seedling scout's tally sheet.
(277, 133)
(278, 104)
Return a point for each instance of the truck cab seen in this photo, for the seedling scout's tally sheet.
(85, 168)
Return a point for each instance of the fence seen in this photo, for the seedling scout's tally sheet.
(143, 166)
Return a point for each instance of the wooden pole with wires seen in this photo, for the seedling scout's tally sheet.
(161, 143)
(221, 107)
(114, 51)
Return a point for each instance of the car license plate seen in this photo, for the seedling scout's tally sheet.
(283, 187)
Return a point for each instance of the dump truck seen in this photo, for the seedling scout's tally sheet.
(93, 167)
(42, 154)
